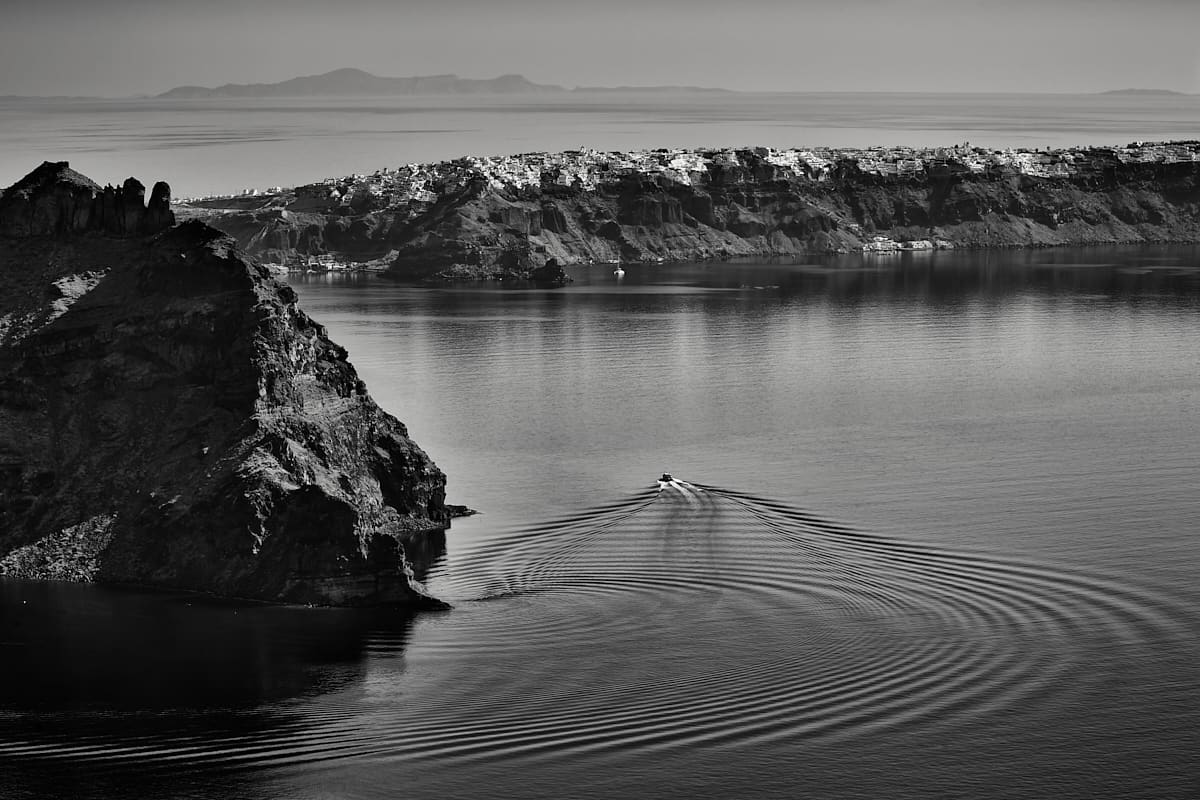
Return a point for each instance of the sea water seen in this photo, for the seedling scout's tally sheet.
(931, 531)
(222, 146)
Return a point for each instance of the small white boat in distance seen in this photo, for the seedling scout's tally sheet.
(618, 271)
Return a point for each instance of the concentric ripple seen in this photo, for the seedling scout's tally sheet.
(691, 615)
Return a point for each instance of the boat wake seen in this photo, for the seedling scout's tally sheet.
(689, 615)
(707, 615)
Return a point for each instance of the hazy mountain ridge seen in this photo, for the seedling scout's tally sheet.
(357, 82)
(350, 81)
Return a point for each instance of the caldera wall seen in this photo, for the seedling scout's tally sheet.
(468, 223)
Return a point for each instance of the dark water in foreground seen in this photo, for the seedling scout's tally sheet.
(935, 532)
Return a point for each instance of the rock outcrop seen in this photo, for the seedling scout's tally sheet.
(754, 208)
(170, 417)
(55, 200)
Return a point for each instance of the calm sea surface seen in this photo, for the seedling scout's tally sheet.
(221, 146)
(934, 532)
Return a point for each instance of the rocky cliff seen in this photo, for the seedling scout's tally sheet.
(55, 200)
(748, 207)
(170, 417)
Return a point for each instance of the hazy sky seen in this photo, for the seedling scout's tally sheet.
(124, 47)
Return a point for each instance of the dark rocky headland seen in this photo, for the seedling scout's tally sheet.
(169, 417)
(526, 217)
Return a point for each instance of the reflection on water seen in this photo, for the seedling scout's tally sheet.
(123, 687)
(1115, 273)
(934, 534)
(78, 644)
(126, 686)
(1125, 274)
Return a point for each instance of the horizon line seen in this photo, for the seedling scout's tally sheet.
(664, 88)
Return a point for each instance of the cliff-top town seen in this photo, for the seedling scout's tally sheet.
(588, 169)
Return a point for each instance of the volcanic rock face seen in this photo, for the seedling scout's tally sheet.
(479, 231)
(169, 416)
(752, 211)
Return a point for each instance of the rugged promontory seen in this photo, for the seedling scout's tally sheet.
(526, 217)
(170, 417)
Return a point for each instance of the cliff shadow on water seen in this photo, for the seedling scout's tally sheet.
(170, 417)
(112, 691)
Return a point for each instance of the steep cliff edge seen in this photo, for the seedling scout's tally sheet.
(466, 222)
(170, 417)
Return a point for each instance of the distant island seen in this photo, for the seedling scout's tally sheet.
(1148, 92)
(352, 82)
(356, 82)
